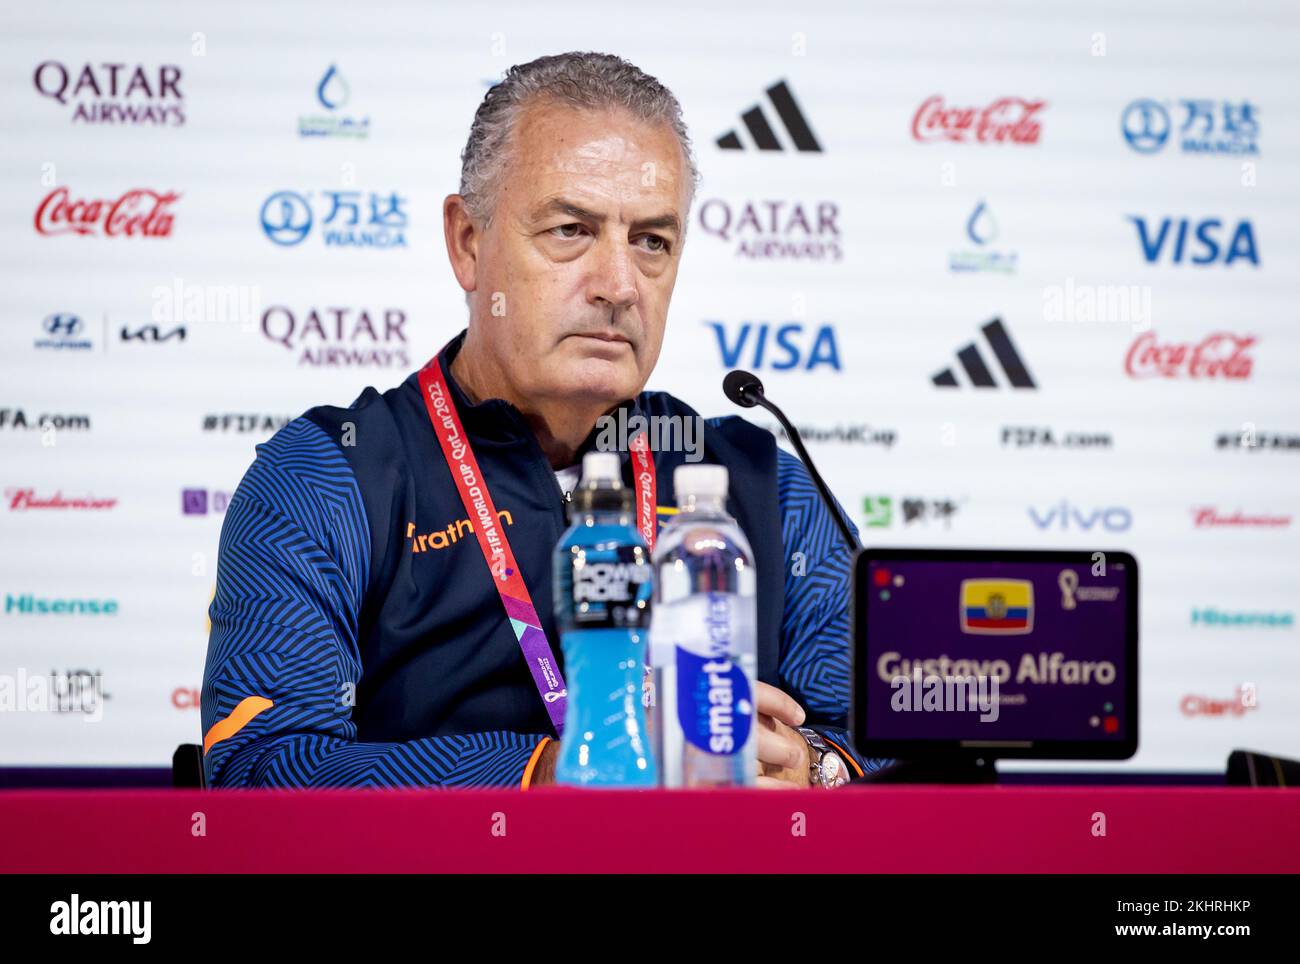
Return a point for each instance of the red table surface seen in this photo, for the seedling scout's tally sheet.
(860, 829)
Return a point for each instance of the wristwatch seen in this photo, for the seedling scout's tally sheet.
(827, 769)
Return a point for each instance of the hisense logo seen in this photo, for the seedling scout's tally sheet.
(29, 605)
(1210, 616)
(129, 917)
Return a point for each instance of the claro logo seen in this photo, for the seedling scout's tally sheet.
(185, 698)
(1242, 702)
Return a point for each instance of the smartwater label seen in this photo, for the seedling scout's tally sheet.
(714, 704)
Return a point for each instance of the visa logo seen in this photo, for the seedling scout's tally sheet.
(1065, 516)
(756, 345)
(1179, 240)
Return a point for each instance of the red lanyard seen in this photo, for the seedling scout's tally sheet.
(492, 540)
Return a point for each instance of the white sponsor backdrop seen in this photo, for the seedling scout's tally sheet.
(216, 115)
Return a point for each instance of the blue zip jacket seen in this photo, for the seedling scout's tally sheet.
(357, 636)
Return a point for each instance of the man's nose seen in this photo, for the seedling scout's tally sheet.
(613, 278)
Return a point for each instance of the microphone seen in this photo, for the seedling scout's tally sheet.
(746, 390)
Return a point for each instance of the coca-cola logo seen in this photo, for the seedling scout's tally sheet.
(1008, 120)
(110, 93)
(1220, 355)
(139, 212)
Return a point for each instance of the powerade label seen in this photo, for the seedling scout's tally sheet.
(714, 704)
(611, 588)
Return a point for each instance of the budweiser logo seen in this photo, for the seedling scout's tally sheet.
(1006, 120)
(1207, 517)
(137, 212)
(1219, 355)
(20, 500)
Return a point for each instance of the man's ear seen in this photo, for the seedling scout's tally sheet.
(462, 236)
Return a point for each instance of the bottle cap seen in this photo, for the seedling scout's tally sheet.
(701, 481)
(602, 469)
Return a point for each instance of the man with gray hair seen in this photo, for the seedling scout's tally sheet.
(359, 634)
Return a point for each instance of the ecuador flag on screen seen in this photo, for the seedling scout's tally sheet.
(997, 607)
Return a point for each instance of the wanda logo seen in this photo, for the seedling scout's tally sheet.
(1220, 355)
(137, 213)
(1008, 120)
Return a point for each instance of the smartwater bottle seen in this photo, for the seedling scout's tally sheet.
(604, 587)
(704, 643)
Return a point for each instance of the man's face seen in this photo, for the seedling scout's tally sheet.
(576, 269)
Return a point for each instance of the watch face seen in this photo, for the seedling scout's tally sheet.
(832, 770)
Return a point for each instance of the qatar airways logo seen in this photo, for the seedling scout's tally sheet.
(1220, 355)
(1008, 120)
(112, 94)
(140, 212)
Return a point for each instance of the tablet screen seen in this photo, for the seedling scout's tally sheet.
(1021, 653)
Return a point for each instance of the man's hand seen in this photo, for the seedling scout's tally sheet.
(784, 757)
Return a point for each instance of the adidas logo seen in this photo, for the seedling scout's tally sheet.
(760, 131)
(972, 362)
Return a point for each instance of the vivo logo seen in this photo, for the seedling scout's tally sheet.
(1065, 516)
(1197, 242)
(778, 347)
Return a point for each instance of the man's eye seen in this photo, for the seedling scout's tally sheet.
(654, 243)
(567, 230)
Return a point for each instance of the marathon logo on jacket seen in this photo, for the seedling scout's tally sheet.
(139, 212)
(114, 93)
(340, 337)
(452, 534)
